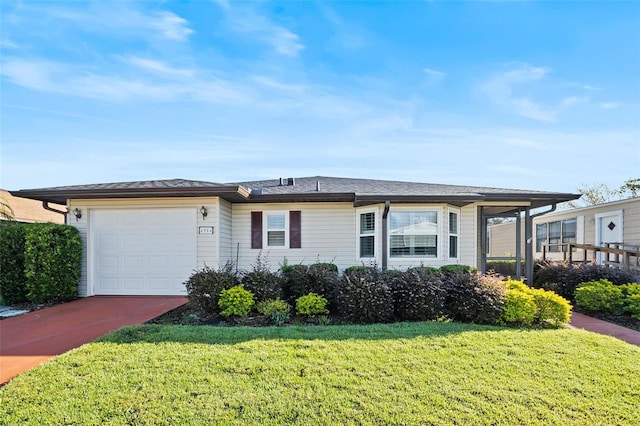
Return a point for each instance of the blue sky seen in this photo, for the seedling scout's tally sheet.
(529, 95)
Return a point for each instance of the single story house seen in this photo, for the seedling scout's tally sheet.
(146, 238)
(615, 223)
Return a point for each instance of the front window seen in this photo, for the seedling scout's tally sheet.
(453, 234)
(569, 228)
(413, 233)
(554, 236)
(541, 236)
(367, 234)
(276, 232)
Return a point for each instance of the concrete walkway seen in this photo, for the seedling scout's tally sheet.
(604, 327)
(30, 339)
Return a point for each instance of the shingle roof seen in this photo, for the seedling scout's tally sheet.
(316, 188)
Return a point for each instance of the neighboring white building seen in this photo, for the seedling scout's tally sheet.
(616, 222)
(144, 238)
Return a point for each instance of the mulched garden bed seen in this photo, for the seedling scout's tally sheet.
(189, 315)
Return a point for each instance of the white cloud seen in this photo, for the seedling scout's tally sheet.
(610, 105)
(434, 73)
(244, 20)
(575, 100)
(501, 86)
(158, 67)
(171, 26)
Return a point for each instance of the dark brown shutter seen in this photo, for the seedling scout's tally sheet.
(256, 230)
(295, 236)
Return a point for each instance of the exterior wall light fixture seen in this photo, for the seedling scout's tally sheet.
(77, 213)
(203, 212)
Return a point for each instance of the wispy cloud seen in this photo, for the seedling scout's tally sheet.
(500, 88)
(433, 76)
(610, 105)
(158, 67)
(171, 26)
(245, 20)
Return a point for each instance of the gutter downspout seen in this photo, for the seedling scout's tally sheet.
(385, 234)
(45, 205)
(528, 236)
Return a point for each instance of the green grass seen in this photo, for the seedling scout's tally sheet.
(422, 373)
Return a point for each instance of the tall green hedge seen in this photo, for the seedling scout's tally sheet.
(40, 262)
(13, 282)
(53, 256)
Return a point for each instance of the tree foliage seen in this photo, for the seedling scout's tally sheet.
(601, 193)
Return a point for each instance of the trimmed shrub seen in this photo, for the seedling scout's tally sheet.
(263, 283)
(277, 310)
(600, 296)
(204, 287)
(418, 294)
(506, 268)
(519, 308)
(13, 282)
(456, 269)
(235, 301)
(52, 262)
(473, 298)
(564, 279)
(551, 308)
(311, 305)
(364, 297)
(299, 280)
(632, 305)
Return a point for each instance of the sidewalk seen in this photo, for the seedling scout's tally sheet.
(604, 327)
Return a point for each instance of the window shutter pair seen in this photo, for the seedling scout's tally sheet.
(295, 235)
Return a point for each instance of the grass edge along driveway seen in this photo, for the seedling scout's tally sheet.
(406, 373)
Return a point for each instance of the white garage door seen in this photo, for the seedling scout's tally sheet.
(143, 252)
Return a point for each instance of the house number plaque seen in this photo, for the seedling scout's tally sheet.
(205, 230)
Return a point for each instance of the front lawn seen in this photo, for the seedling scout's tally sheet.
(418, 373)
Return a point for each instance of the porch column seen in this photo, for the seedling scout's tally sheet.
(528, 245)
(385, 234)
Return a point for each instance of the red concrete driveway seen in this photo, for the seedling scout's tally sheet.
(30, 339)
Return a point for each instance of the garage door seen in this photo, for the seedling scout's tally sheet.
(143, 252)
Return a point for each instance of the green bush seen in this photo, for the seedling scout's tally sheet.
(52, 263)
(235, 301)
(418, 294)
(277, 310)
(519, 308)
(311, 305)
(204, 287)
(263, 283)
(600, 296)
(363, 296)
(319, 278)
(506, 268)
(13, 282)
(456, 269)
(632, 305)
(564, 279)
(551, 308)
(473, 298)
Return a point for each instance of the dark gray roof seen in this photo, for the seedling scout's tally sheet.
(306, 189)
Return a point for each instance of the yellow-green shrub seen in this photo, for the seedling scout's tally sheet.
(549, 308)
(311, 305)
(235, 301)
(600, 296)
(519, 308)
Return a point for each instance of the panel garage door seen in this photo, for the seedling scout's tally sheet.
(143, 252)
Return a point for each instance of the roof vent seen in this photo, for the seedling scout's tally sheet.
(281, 181)
(291, 181)
(318, 185)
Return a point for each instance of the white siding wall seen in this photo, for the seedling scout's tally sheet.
(328, 235)
(225, 233)
(208, 245)
(81, 226)
(469, 235)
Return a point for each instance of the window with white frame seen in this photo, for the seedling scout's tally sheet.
(367, 239)
(413, 233)
(276, 229)
(454, 225)
(556, 233)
